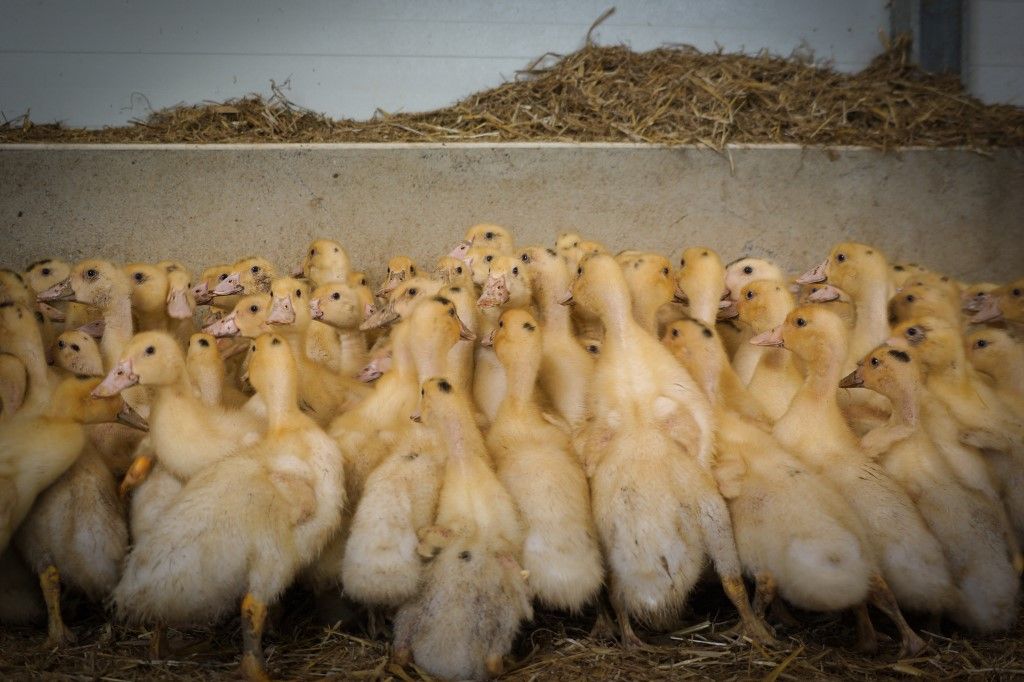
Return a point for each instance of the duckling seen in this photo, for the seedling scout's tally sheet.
(337, 306)
(648, 451)
(862, 272)
(507, 286)
(998, 356)
(462, 356)
(102, 285)
(797, 538)
(814, 430)
(186, 434)
(357, 280)
(326, 261)
(206, 371)
(572, 247)
(976, 551)
(400, 268)
(838, 301)
(973, 295)
(474, 595)
(901, 272)
(149, 295)
(566, 365)
(325, 394)
(747, 269)
(777, 376)
(535, 463)
(649, 277)
(921, 300)
(453, 272)
(401, 301)
(479, 259)
(700, 283)
(380, 565)
(486, 235)
(13, 289)
(210, 278)
(21, 338)
(35, 449)
(180, 304)
(45, 273)
(248, 276)
(293, 491)
(984, 420)
(1004, 303)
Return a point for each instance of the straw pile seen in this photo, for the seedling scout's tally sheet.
(552, 649)
(673, 95)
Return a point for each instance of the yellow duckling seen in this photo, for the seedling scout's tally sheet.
(264, 514)
(1005, 303)
(977, 553)
(484, 235)
(649, 277)
(326, 261)
(474, 595)
(339, 307)
(400, 268)
(1000, 357)
(248, 276)
(535, 463)
(42, 275)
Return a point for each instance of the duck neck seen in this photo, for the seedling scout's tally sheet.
(617, 318)
(117, 328)
(872, 326)
(431, 359)
(906, 403)
(555, 317)
(460, 433)
(521, 370)
(281, 398)
(209, 381)
(31, 355)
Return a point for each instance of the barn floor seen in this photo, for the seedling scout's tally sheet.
(551, 648)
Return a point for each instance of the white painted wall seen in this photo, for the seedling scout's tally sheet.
(994, 50)
(103, 62)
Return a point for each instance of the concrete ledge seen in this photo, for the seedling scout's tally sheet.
(952, 209)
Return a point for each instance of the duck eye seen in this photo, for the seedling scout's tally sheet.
(489, 235)
(451, 312)
(362, 282)
(223, 276)
(592, 348)
(60, 344)
(91, 273)
(575, 244)
(579, 271)
(912, 331)
(980, 343)
(312, 252)
(46, 272)
(150, 350)
(501, 324)
(525, 258)
(139, 277)
(335, 249)
(910, 298)
(488, 259)
(254, 308)
(841, 258)
(458, 270)
(675, 333)
(413, 291)
(204, 343)
(664, 271)
(801, 322)
(465, 555)
(1016, 292)
(412, 269)
(254, 269)
(874, 362)
(75, 347)
(515, 271)
(748, 270)
(750, 295)
(298, 293)
(336, 296)
(682, 262)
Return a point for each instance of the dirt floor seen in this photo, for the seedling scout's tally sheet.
(551, 648)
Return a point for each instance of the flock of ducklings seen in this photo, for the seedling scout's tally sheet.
(561, 427)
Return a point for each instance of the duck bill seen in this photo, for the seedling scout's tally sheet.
(225, 326)
(61, 291)
(416, 417)
(824, 294)
(94, 329)
(178, 306)
(988, 311)
(852, 380)
(771, 338)
(727, 310)
(229, 286)
(49, 312)
(315, 311)
(488, 341)
(815, 274)
(393, 280)
(119, 378)
(380, 318)
(461, 251)
(495, 293)
(132, 419)
(465, 333)
(281, 311)
(201, 293)
(566, 299)
(679, 296)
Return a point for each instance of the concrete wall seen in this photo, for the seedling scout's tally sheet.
(994, 50)
(105, 62)
(957, 211)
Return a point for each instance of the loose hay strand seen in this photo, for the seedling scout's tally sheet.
(673, 95)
